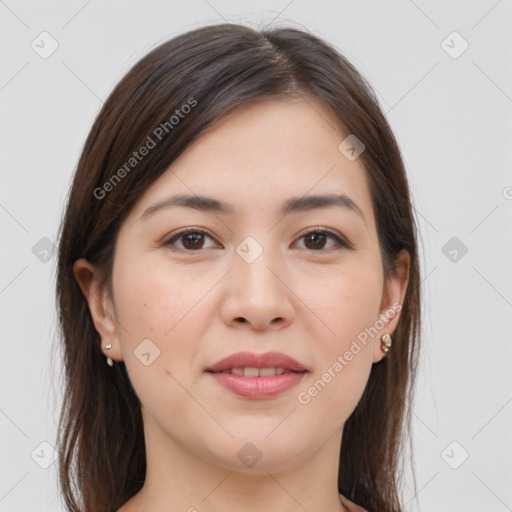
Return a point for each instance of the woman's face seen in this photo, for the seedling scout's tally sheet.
(251, 277)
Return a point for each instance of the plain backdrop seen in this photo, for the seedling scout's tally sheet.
(442, 73)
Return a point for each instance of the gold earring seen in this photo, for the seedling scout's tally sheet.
(385, 343)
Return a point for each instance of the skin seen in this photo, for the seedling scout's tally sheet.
(305, 300)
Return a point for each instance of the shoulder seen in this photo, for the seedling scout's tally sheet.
(352, 507)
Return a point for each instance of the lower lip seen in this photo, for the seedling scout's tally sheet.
(258, 387)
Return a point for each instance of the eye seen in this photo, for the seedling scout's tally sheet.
(316, 239)
(193, 240)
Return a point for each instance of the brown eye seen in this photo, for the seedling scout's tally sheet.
(316, 240)
(191, 240)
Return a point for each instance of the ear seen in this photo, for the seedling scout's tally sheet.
(100, 307)
(393, 295)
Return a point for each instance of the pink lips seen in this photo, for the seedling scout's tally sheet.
(259, 387)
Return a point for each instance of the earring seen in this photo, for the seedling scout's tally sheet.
(109, 359)
(108, 347)
(385, 343)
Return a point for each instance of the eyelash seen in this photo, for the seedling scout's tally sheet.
(342, 244)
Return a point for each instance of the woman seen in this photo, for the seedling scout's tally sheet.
(238, 286)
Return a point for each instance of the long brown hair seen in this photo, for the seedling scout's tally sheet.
(216, 69)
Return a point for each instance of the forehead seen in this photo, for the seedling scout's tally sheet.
(262, 155)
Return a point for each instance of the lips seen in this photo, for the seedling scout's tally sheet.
(257, 376)
(259, 361)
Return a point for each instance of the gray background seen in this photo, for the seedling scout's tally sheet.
(452, 114)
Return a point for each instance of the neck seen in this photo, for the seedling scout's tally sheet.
(177, 479)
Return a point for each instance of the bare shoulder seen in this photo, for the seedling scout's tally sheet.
(352, 507)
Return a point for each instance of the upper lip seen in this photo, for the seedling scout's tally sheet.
(252, 360)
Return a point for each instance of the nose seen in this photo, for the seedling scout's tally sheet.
(257, 295)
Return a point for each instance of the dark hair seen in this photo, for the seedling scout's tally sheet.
(215, 70)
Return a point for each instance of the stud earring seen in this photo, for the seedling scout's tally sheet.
(109, 359)
(385, 342)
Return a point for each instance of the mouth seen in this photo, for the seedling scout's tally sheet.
(257, 376)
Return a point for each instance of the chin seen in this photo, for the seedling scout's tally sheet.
(259, 453)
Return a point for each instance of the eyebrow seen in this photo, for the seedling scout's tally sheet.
(293, 205)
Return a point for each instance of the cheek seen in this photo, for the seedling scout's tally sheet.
(158, 328)
(157, 299)
(347, 306)
(352, 303)
(168, 306)
(349, 303)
